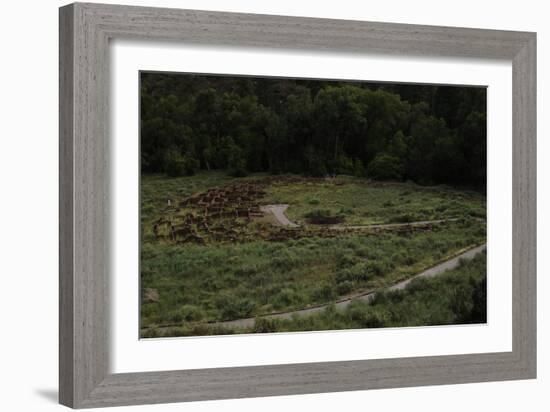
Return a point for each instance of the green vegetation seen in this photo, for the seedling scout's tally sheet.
(225, 281)
(265, 195)
(177, 164)
(361, 202)
(386, 167)
(427, 134)
(231, 281)
(323, 217)
(456, 297)
(157, 190)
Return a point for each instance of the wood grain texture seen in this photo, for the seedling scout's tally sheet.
(83, 342)
(237, 29)
(524, 223)
(85, 31)
(66, 229)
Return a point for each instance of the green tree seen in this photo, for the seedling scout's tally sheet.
(315, 162)
(358, 168)
(425, 132)
(397, 145)
(385, 167)
(277, 142)
(236, 162)
(432, 134)
(177, 164)
(473, 142)
(339, 119)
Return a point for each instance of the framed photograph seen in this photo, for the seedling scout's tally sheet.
(256, 205)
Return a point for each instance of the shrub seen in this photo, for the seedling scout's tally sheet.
(324, 292)
(461, 303)
(247, 271)
(285, 260)
(190, 313)
(385, 167)
(232, 307)
(237, 167)
(479, 298)
(345, 211)
(150, 333)
(176, 164)
(378, 267)
(361, 272)
(375, 319)
(366, 316)
(285, 298)
(403, 218)
(403, 257)
(344, 165)
(346, 259)
(344, 287)
(323, 217)
(265, 325)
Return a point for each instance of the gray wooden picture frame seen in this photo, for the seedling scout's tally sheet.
(85, 31)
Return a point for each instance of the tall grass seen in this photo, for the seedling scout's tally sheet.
(223, 281)
(359, 202)
(230, 281)
(455, 297)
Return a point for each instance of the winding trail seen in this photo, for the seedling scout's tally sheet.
(278, 211)
(442, 267)
(394, 225)
(365, 296)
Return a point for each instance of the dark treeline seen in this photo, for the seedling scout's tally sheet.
(428, 134)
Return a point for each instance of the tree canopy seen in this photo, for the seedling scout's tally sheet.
(428, 134)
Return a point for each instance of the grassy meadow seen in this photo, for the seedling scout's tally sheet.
(456, 297)
(189, 288)
(363, 202)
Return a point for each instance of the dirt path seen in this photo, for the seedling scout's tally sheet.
(393, 225)
(442, 267)
(367, 296)
(279, 212)
(398, 225)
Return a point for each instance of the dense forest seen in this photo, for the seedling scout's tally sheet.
(427, 134)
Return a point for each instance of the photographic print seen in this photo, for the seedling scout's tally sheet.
(285, 205)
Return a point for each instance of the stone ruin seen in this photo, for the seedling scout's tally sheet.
(224, 215)
(218, 214)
